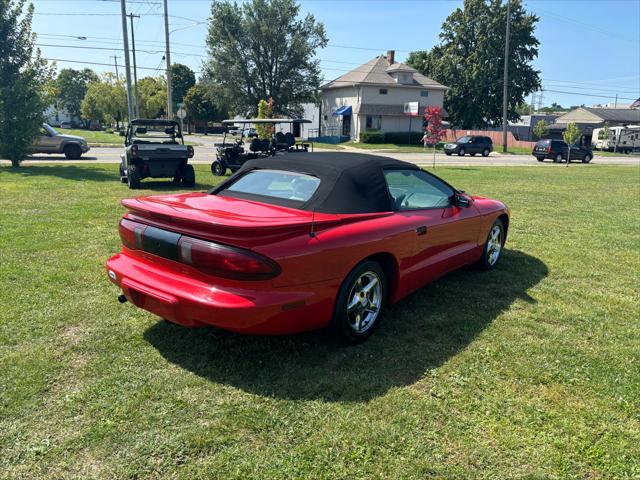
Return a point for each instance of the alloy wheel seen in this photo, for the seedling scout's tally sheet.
(494, 245)
(364, 302)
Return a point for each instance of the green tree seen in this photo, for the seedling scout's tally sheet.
(105, 100)
(261, 49)
(265, 110)
(571, 136)
(182, 79)
(470, 57)
(71, 86)
(605, 132)
(200, 103)
(152, 92)
(541, 129)
(23, 79)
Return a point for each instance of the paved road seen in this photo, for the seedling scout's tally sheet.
(205, 154)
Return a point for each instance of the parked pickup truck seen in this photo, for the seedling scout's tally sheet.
(156, 149)
(51, 141)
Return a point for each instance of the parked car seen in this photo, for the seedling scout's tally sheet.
(470, 144)
(557, 151)
(244, 132)
(300, 242)
(66, 125)
(51, 141)
(156, 149)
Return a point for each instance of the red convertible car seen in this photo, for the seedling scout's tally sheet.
(301, 242)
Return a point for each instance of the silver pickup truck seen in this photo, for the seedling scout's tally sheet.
(51, 141)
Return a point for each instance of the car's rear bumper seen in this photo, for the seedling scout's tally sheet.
(179, 297)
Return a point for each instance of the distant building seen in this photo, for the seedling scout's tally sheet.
(54, 116)
(588, 118)
(523, 128)
(371, 97)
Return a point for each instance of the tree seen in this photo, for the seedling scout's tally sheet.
(71, 87)
(182, 79)
(571, 135)
(541, 129)
(105, 100)
(605, 132)
(435, 131)
(469, 60)
(200, 103)
(260, 49)
(152, 92)
(23, 77)
(265, 110)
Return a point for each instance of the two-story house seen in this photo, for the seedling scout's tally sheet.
(372, 97)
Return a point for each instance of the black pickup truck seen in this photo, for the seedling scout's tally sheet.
(156, 149)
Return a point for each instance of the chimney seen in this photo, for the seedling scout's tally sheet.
(391, 56)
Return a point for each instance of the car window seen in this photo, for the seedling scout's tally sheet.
(415, 189)
(276, 184)
(464, 140)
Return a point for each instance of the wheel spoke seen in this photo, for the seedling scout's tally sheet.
(370, 285)
(353, 303)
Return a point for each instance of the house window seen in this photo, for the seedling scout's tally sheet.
(424, 93)
(383, 91)
(373, 122)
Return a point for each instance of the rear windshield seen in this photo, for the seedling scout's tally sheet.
(275, 184)
(544, 142)
(153, 133)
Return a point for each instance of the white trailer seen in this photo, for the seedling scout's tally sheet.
(620, 139)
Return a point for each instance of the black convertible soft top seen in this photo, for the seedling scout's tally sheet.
(349, 182)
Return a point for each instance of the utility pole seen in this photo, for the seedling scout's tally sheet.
(135, 73)
(616, 104)
(168, 58)
(505, 80)
(115, 61)
(127, 67)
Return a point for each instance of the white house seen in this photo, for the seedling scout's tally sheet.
(372, 97)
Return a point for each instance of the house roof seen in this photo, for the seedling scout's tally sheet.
(597, 114)
(377, 72)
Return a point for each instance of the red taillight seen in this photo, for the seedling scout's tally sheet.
(190, 150)
(131, 234)
(225, 261)
(134, 151)
(549, 149)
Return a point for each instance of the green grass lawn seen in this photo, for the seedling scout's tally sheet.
(389, 147)
(94, 137)
(529, 371)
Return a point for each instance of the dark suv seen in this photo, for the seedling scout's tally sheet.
(471, 145)
(557, 151)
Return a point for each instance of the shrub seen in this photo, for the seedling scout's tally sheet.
(403, 137)
(109, 130)
(372, 137)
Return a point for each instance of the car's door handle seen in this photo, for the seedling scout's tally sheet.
(421, 230)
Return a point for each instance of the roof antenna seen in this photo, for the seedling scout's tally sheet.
(312, 233)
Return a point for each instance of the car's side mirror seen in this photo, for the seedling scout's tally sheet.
(462, 201)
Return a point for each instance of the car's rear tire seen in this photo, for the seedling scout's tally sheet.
(359, 303)
(188, 177)
(472, 154)
(540, 159)
(72, 152)
(493, 246)
(123, 175)
(133, 177)
(485, 152)
(558, 158)
(448, 154)
(218, 169)
(586, 159)
(461, 152)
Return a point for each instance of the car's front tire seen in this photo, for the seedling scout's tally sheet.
(448, 154)
(586, 159)
(359, 303)
(188, 177)
(133, 177)
(493, 246)
(558, 158)
(72, 152)
(461, 152)
(540, 159)
(485, 152)
(123, 175)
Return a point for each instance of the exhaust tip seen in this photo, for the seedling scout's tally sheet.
(122, 298)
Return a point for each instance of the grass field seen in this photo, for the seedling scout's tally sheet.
(529, 371)
(94, 137)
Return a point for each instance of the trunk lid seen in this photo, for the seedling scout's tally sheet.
(229, 220)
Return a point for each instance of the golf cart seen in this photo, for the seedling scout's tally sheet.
(156, 149)
(233, 154)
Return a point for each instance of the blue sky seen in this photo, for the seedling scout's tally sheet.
(589, 49)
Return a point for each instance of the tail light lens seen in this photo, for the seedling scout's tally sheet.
(208, 257)
(190, 150)
(134, 151)
(131, 234)
(225, 261)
